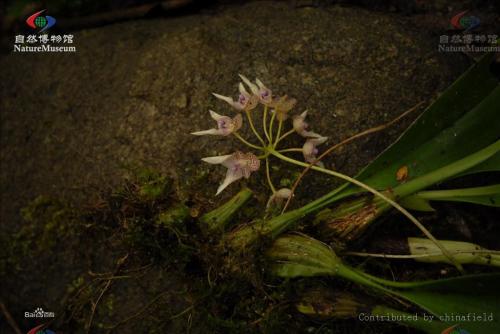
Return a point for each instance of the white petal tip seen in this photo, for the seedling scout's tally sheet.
(222, 97)
(214, 115)
(216, 160)
(221, 188)
(206, 132)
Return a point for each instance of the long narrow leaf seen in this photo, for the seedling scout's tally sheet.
(488, 195)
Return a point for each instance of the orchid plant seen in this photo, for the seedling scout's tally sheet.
(242, 164)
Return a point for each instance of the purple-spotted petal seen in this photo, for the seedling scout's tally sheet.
(253, 162)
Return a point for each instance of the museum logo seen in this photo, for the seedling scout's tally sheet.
(40, 329)
(43, 23)
(463, 40)
(455, 330)
(465, 22)
(40, 40)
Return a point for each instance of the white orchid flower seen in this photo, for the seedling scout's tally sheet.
(246, 101)
(264, 94)
(225, 125)
(310, 151)
(238, 165)
(301, 126)
(279, 196)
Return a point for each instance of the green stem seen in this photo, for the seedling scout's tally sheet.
(378, 194)
(393, 284)
(271, 126)
(283, 137)
(244, 141)
(268, 174)
(360, 277)
(280, 124)
(264, 123)
(294, 149)
(249, 116)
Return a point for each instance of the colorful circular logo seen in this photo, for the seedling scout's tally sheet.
(43, 23)
(41, 330)
(460, 21)
(455, 330)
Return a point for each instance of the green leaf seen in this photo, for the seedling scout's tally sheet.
(473, 294)
(296, 256)
(488, 195)
(461, 121)
(416, 203)
(490, 165)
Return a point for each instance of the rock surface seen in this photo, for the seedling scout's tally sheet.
(133, 92)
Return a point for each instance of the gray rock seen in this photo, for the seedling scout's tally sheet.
(133, 92)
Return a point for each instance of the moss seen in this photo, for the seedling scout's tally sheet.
(206, 288)
(173, 217)
(152, 185)
(46, 222)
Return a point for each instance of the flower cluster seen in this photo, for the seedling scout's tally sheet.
(242, 165)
